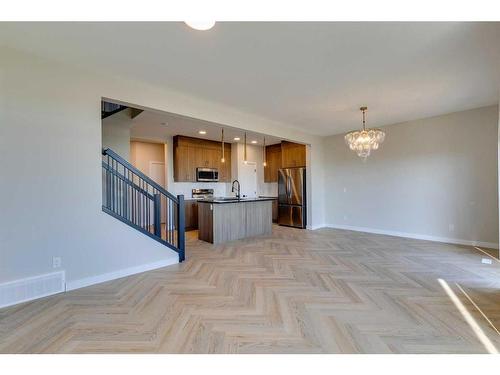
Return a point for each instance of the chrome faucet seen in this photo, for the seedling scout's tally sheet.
(238, 191)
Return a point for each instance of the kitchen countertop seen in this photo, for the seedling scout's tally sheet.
(234, 200)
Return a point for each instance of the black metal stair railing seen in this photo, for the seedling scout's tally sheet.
(135, 199)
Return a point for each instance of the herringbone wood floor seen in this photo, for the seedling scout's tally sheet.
(324, 291)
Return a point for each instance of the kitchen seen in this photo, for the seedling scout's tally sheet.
(223, 172)
(281, 165)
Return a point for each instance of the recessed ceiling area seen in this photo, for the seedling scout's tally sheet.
(312, 76)
(157, 126)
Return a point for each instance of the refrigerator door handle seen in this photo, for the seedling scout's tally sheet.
(289, 188)
(286, 188)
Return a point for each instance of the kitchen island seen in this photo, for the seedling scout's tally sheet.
(228, 219)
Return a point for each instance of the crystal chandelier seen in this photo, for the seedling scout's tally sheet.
(366, 140)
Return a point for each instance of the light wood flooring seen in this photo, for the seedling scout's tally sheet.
(324, 291)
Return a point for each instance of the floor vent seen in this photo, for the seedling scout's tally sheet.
(23, 290)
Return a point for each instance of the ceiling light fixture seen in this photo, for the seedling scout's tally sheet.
(364, 141)
(254, 142)
(202, 132)
(222, 160)
(237, 138)
(200, 25)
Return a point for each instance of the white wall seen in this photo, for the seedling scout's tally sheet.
(50, 138)
(254, 154)
(51, 205)
(116, 133)
(498, 161)
(434, 177)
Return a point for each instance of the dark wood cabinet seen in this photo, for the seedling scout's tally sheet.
(206, 222)
(283, 155)
(191, 214)
(292, 155)
(190, 153)
(182, 164)
(275, 211)
(273, 160)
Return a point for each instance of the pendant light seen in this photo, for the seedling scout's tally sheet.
(364, 141)
(245, 149)
(264, 163)
(222, 160)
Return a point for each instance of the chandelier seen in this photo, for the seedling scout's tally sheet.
(366, 140)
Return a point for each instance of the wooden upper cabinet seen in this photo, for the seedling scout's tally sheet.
(292, 155)
(183, 170)
(273, 160)
(284, 155)
(191, 153)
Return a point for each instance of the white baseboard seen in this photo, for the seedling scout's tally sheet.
(30, 288)
(456, 241)
(87, 281)
(314, 227)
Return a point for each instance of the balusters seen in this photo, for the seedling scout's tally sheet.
(137, 200)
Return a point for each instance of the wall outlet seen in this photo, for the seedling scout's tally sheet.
(345, 190)
(486, 261)
(345, 217)
(451, 227)
(56, 262)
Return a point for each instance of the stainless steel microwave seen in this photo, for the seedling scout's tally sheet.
(207, 174)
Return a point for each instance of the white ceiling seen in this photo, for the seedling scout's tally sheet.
(157, 126)
(313, 76)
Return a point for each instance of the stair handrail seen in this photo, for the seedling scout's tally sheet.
(150, 181)
(173, 241)
(127, 180)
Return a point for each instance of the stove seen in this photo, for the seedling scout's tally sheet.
(202, 193)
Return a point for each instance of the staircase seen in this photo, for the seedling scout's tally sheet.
(135, 199)
(109, 109)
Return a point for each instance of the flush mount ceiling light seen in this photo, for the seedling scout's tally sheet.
(200, 25)
(237, 138)
(202, 132)
(366, 140)
(254, 142)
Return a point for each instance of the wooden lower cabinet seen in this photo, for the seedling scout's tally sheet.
(275, 211)
(206, 222)
(191, 214)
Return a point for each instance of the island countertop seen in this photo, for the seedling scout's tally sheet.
(224, 200)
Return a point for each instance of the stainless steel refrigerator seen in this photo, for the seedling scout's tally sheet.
(292, 197)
